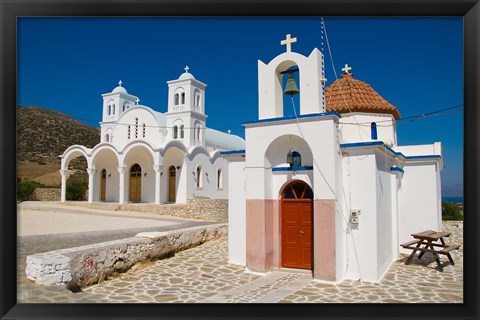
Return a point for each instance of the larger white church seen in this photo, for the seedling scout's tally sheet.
(328, 190)
(153, 157)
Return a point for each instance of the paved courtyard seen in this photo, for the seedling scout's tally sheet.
(203, 275)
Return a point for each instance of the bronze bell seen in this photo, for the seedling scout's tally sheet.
(291, 87)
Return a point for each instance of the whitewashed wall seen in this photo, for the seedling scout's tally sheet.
(237, 212)
(419, 202)
(351, 131)
(315, 140)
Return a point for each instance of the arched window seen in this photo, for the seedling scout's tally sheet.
(109, 110)
(197, 100)
(175, 99)
(113, 109)
(296, 159)
(219, 179)
(107, 137)
(175, 132)
(198, 177)
(183, 97)
(181, 131)
(373, 129)
(198, 132)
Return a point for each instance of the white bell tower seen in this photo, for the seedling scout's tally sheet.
(186, 110)
(311, 76)
(117, 102)
(114, 104)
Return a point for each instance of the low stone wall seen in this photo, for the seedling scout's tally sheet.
(46, 194)
(86, 265)
(199, 208)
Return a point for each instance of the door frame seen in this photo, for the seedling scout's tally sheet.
(174, 196)
(103, 185)
(130, 183)
(297, 200)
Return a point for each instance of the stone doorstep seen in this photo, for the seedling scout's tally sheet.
(86, 265)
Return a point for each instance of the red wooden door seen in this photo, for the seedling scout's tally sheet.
(297, 235)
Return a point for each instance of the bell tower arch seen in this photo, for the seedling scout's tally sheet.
(311, 76)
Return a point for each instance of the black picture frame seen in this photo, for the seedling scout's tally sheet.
(10, 10)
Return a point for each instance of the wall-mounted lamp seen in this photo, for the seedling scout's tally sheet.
(178, 167)
(109, 175)
(206, 173)
(145, 174)
(161, 173)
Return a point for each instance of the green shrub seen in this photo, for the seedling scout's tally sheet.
(451, 211)
(76, 189)
(26, 188)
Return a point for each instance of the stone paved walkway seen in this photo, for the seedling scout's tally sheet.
(203, 275)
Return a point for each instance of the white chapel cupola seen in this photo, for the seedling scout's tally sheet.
(117, 102)
(186, 109)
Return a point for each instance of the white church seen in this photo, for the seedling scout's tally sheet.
(153, 157)
(328, 190)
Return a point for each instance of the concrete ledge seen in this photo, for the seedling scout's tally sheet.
(86, 265)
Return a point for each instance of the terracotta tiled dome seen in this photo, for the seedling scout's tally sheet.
(351, 95)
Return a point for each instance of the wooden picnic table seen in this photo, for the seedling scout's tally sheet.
(433, 242)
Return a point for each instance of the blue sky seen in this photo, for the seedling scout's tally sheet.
(65, 64)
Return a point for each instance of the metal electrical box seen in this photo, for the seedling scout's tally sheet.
(354, 218)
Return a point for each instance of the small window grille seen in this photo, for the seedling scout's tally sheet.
(143, 130)
(136, 128)
(129, 132)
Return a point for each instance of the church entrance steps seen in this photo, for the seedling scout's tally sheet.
(86, 265)
(268, 289)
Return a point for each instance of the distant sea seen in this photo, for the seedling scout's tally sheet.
(453, 199)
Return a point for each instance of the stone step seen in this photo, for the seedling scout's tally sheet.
(262, 290)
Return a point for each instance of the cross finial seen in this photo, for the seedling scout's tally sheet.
(346, 69)
(229, 131)
(288, 42)
(120, 83)
(137, 101)
(186, 69)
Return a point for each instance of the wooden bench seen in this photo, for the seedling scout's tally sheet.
(449, 248)
(409, 243)
(427, 239)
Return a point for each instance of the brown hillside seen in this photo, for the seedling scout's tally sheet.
(43, 135)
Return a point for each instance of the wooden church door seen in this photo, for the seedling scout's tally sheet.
(297, 235)
(136, 183)
(172, 176)
(103, 185)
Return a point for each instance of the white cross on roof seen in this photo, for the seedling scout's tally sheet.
(229, 131)
(137, 101)
(186, 69)
(346, 69)
(120, 83)
(288, 42)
